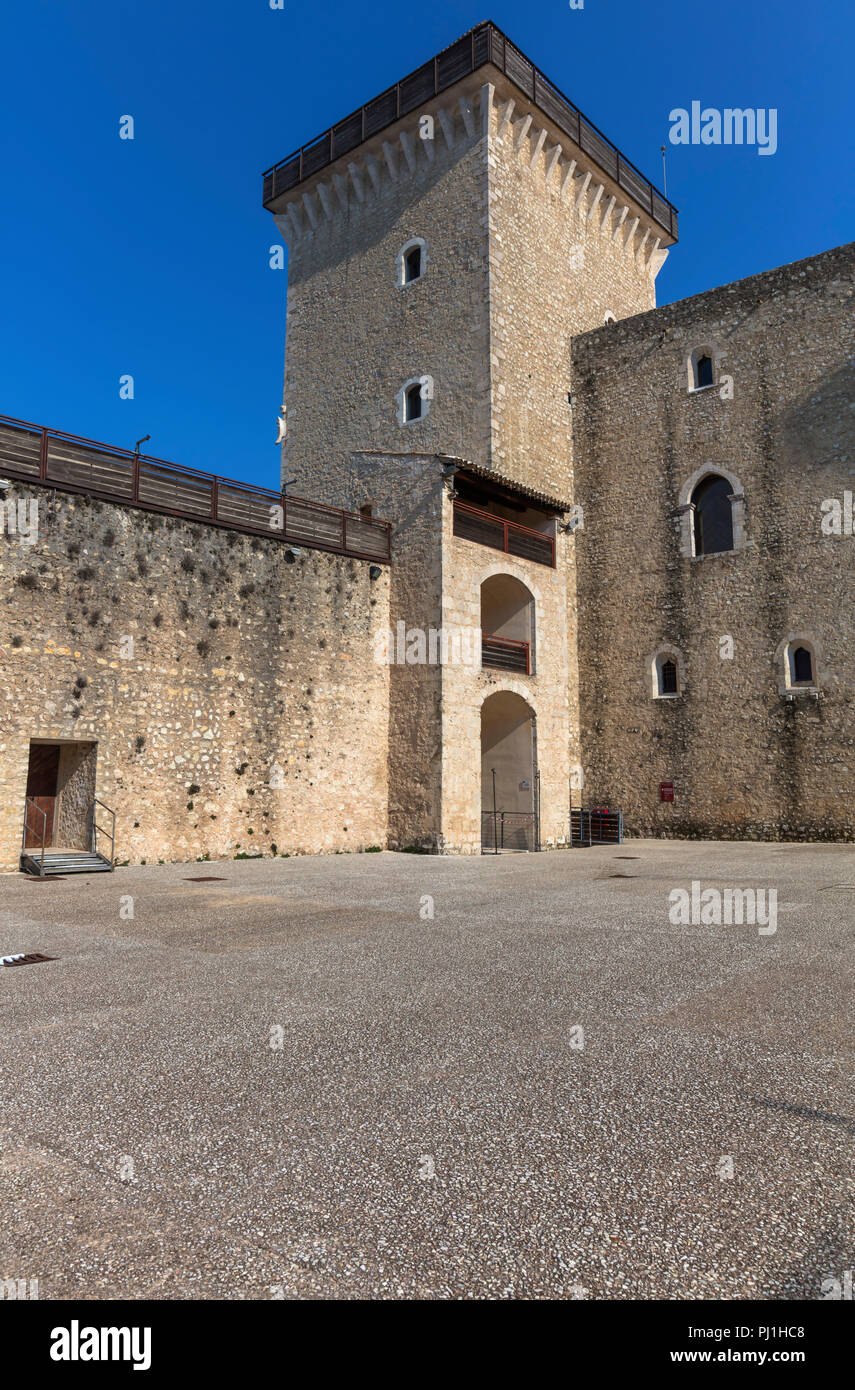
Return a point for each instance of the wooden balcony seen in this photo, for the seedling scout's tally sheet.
(505, 654)
(472, 524)
(70, 463)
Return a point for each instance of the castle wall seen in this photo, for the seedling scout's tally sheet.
(241, 661)
(355, 336)
(407, 490)
(745, 759)
(555, 271)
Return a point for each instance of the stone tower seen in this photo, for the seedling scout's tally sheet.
(446, 242)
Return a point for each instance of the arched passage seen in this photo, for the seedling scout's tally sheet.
(507, 624)
(508, 749)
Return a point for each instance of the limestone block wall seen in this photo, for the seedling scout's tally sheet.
(466, 565)
(561, 258)
(243, 661)
(78, 763)
(354, 335)
(745, 760)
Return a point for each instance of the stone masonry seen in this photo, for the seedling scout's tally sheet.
(250, 717)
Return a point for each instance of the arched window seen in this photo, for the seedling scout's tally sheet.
(609, 318)
(713, 517)
(413, 402)
(668, 677)
(798, 660)
(666, 669)
(701, 369)
(411, 261)
(507, 625)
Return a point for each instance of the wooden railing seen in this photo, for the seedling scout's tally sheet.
(505, 654)
(70, 463)
(472, 524)
(482, 45)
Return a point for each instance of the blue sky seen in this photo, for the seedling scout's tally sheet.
(150, 256)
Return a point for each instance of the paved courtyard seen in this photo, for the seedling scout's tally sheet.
(293, 1081)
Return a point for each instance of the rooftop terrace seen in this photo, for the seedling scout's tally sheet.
(482, 46)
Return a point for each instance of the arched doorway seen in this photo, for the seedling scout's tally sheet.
(508, 773)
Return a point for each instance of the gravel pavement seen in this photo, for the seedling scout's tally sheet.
(296, 1082)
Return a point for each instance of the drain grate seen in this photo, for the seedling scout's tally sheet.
(622, 875)
(206, 878)
(35, 958)
(627, 856)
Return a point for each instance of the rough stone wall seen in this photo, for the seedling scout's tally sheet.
(555, 271)
(354, 336)
(241, 660)
(745, 760)
(407, 490)
(76, 783)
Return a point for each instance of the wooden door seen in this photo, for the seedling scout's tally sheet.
(41, 786)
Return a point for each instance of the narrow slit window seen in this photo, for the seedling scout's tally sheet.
(412, 264)
(413, 403)
(802, 667)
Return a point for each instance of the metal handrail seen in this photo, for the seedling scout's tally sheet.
(111, 834)
(28, 802)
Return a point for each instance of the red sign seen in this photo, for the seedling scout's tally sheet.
(666, 791)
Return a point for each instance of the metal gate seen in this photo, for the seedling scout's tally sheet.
(595, 825)
(512, 830)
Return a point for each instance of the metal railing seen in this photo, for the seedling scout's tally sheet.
(473, 524)
(483, 44)
(595, 825)
(505, 654)
(30, 803)
(72, 463)
(110, 834)
(508, 830)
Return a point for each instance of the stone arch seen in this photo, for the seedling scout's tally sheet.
(508, 623)
(508, 750)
